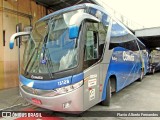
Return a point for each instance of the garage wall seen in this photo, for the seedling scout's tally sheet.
(13, 12)
(1, 48)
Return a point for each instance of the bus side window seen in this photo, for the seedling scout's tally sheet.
(113, 45)
(141, 46)
(94, 43)
(91, 46)
(120, 37)
(131, 45)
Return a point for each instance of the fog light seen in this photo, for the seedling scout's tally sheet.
(66, 105)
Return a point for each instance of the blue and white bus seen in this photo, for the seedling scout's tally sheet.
(154, 61)
(76, 57)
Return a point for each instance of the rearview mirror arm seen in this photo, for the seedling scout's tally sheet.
(14, 36)
(11, 45)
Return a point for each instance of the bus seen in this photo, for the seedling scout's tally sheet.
(77, 57)
(144, 56)
(154, 61)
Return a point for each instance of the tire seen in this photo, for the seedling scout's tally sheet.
(153, 70)
(141, 76)
(106, 102)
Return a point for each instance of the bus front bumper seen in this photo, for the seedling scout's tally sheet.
(68, 102)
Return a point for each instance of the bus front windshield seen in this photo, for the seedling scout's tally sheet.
(49, 48)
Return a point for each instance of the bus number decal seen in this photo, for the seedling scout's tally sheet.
(92, 82)
(93, 76)
(91, 94)
(63, 82)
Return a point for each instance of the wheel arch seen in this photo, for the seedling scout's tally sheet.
(113, 81)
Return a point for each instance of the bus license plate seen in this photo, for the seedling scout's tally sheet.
(36, 101)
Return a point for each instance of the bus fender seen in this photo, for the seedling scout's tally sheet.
(105, 85)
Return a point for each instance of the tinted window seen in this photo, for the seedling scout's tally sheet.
(120, 37)
(131, 45)
(141, 45)
(91, 45)
(94, 43)
(100, 15)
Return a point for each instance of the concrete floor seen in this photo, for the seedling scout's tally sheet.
(10, 97)
(139, 96)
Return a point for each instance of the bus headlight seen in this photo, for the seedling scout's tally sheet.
(69, 88)
(63, 90)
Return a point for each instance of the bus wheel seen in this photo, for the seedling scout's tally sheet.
(141, 76)
(153, 70)
(106, 102)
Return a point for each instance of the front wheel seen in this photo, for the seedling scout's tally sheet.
(106, 102)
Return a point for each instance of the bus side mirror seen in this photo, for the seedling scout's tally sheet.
(14, 36)
(73, 32)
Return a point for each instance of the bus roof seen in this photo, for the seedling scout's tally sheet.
(81, 6)
(75, 7)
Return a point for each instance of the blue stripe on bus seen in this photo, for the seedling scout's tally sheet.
(77, 78)
(51, 84)
(125, 71)
(11, 44)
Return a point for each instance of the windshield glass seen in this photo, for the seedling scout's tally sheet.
(49, 48)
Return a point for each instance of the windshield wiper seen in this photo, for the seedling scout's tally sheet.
(46, 53)
(48, 61)
(25, 71)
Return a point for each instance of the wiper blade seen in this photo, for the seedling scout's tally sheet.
(48, 62)
(25, 71)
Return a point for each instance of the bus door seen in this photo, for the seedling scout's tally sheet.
(91, 65)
